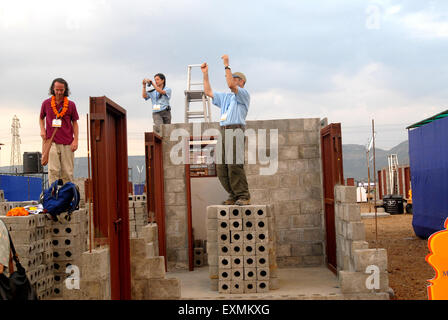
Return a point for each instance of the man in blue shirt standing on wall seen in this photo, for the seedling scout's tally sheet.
(234, 107)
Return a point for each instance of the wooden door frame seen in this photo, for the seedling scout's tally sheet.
(332, 176)
(111, 230)
(155, 187)
(188, 178)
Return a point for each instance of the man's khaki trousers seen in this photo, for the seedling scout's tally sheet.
(60, 163)
(231, 173)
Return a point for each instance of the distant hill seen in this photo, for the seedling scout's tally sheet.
(355, 162)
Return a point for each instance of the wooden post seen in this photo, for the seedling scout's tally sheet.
(374, 169)
(368, 180)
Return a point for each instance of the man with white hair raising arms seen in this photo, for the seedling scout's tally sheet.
(234, 107)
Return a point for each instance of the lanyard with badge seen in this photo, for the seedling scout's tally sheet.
(57, 123)
(156, 107)
(224, 115)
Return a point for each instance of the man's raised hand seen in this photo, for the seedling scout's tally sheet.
(225, 59)
(204, 67)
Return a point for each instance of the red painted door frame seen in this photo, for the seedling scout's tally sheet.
(108, 137)
(189, 216)
(400, 182)
(155, 198)
(407, 181)
(380, 185)
(332, 165)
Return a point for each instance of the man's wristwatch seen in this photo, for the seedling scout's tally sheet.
(227, 67)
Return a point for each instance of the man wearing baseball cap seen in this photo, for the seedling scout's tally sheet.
(234, 107)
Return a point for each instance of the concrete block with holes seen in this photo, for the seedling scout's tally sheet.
(244, 244)
(224, 286)
(235, 212)
(250, 286)
(262, 286)
(237, 286)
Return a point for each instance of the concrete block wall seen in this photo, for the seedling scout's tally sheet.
(5, 206)
(32, 241)
(354, 258)
(295, 191)
(80, 182)
(148, 277)
(69, 241)
(92, 281)
(138, 216)
(241, 248)
(95, 275)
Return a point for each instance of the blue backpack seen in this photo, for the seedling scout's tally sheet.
(60, 198)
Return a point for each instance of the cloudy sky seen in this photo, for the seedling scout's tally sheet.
(349, 61)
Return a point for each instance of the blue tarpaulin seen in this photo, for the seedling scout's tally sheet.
(20, 188)
(138, 189)
(428, 155)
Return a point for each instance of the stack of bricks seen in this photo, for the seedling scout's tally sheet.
(69, 241)
(354, 258)
(138, 216)
(241, 249)
(81, 183)
(3, 204)
(148, 276)
(32, 241)
(199, 253)
(94, 282)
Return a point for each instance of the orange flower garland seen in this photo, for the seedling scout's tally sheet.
(64, 108)
(17, 212)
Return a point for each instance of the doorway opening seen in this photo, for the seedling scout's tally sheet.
(203, 190)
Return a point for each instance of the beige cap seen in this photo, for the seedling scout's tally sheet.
(239, 75)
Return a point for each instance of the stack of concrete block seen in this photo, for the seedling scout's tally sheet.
(148, 277)
(33, 245)
(5, 206)
(140, 197)
(80, 182)
(69, 241)
(350, 232)
(241, 248)
(355, 260)
(151, 236)
(138, 217)
(94, 281)
(200, 253)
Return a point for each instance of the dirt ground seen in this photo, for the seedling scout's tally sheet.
(408, 270)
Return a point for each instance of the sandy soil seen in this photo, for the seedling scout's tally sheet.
(408, 270)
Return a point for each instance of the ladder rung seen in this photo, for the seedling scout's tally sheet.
(195, 112)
